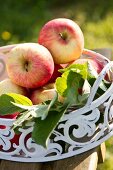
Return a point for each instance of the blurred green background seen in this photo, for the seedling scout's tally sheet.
(21, 21)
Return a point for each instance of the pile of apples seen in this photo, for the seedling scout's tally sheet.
(33, 67)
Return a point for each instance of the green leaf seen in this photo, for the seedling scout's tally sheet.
(7, 100)
(92, 73)
(84, 77)
(20, 99)
(86, 87)
(23, 106)
(21, 119)
(68, 86)
(75, 77)
(103, 86)
(52, 102)
(61, 83)
(81, 69)
(42, 110)
(44, 128)
(71, 75)
(74, 82)
(85, 92)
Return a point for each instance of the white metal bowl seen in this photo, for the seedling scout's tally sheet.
(82, 123)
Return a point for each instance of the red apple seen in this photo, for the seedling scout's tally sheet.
(56, 73)
(30, 65)
(49, 86)
(45, 93)
(64, 39)
(41, 95)
(98, 66)
(7, 86)
(64, 65)
(11, 116)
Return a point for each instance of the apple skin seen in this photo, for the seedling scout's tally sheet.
(7, 86)
(63, 38)
(45, 93)
(49, 86)
(29, 65)
(42, 95)
(56, 73)
(11, 116)
(96, 65)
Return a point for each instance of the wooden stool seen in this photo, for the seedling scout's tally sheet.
(85, 161)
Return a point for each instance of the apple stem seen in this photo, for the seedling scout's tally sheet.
(26, 66)
(63, 35)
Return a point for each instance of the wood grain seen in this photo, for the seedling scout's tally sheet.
(10, 165)
(85, 161)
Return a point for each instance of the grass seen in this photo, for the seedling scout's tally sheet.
(99, 34)
(108, 164)
(21, 21)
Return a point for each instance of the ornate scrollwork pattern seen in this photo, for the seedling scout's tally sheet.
(78, 131)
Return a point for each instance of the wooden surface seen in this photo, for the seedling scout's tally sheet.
(85, 161)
